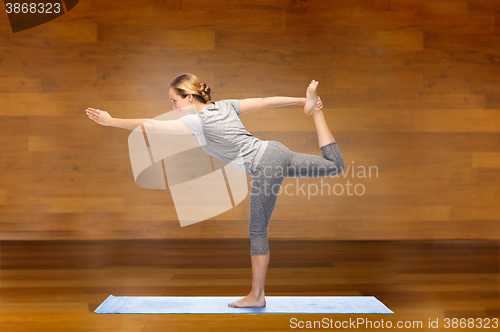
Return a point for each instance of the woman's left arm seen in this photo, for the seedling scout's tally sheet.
(148, 125)
(103, 118)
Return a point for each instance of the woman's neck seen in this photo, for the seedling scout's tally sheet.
(200, 106)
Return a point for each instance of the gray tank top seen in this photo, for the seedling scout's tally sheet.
(222, 135)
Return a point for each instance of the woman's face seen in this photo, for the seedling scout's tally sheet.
(183, 105)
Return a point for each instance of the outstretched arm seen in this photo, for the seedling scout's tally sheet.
(103, 118)
(283, 101)
(147, 125)
(254, 104)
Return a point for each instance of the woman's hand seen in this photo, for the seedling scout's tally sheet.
(319, 104)
(101, 117)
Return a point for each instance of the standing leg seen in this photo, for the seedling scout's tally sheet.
(266, 185)
(259, 271)
(256, 297)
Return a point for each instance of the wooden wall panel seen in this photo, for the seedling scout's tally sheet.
(410, 89)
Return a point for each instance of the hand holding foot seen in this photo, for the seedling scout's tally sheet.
(319, 104)
(313, 102)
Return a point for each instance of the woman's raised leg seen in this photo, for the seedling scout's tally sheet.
(311, 166)
(324, 133)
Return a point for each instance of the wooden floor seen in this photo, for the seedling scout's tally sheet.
(56, 285)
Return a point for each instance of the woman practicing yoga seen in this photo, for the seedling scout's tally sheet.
(268, 162)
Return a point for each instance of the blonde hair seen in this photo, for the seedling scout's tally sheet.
(188, 84)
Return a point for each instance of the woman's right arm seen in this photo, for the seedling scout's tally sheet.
(283, 101)
(254, 104)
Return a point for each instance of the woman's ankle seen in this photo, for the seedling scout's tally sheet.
(257, 294)
(317, 111)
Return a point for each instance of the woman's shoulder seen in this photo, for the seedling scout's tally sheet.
(225, 106)
(226, 101)
(230, 104)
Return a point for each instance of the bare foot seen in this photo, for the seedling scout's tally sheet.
(313, 102)
(249, 301)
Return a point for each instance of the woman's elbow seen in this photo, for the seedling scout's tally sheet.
(149, 126)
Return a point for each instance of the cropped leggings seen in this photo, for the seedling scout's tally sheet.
(276, 163)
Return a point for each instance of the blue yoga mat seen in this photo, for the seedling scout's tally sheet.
(218, 305)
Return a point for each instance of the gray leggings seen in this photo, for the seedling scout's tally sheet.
(276, 163)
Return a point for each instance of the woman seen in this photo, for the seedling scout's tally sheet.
(268, 162)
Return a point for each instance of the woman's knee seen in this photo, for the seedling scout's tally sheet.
(336, 168)
(259, 244)
(259, 253)
(339, 159)
(341, 164)
(338, 164)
